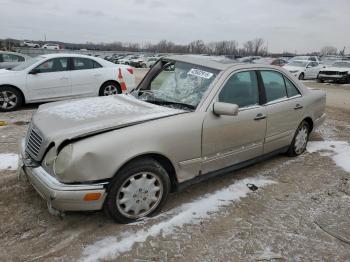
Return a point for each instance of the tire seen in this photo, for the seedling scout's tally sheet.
(10, 98)
(142, 197)
(300, 140)
(143, 65)
(110, 88)
(301, 76)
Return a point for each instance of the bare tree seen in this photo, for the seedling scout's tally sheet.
(329, 50)
(257, 45)
(249, 47)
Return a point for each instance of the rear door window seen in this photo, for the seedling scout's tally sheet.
(275, 88)
(291, 89)
(81, 63)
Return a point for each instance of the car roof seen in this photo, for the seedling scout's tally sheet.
(65, 55)
(210, 62)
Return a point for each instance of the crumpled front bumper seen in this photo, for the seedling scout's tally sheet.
(60, 196)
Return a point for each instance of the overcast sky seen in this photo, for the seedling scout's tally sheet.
(287, 25)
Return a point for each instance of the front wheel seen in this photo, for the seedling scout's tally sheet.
(10, 99)
(138, 190)
(301, 76)
(300, 140)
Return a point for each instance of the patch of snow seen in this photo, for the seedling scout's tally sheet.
(339, 151)
(194, 212)
(268, 255)
(8, 161)
(94, 107)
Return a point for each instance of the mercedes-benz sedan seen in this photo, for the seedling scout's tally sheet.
(188, 119)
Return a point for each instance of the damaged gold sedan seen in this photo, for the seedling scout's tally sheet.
(189, 119)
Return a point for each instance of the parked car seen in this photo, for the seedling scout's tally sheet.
(11, 59)
(51, 46)
(248, 59)
(203, 118)
(303, 69)
(306, 58)
(271, 61)
(338, 72)
(30, 44)
(60, 76)
(151, 61)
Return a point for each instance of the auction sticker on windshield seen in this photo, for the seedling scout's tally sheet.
(200, 73)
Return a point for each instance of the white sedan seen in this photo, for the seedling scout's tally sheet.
(62, 76)
(303, 69)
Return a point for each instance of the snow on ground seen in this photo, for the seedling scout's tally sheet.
(190, 213)
(339, 151)
(8, 161)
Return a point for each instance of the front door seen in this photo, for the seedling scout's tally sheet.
(228, 140)
(50, 80)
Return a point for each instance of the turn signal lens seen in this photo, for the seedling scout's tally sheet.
(92, 196)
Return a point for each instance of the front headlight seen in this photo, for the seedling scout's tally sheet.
(50, 157)
(63, 160)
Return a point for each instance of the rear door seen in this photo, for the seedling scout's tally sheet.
(87, 76)
(51, 80)
(229, 140)
(284, 107)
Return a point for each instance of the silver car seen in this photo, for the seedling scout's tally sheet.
(11, 59)
(188, 119)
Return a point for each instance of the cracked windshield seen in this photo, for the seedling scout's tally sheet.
(179, 85)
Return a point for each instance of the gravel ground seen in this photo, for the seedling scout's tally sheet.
(300, 211)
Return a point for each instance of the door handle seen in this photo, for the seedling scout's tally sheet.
(298, 106)
(260, 116)
(97, 75)
(64, 78)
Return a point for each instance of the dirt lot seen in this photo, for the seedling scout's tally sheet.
(301, 211)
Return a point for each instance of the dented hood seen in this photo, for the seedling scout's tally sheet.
(72, 119)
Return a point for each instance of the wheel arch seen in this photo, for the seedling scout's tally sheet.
(110, 81)
(310, 122)
(19, 90)
(162, 160)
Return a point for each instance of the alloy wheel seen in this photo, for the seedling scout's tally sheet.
(110, 90)
(139, 195)
(8, 100)
(301, 139)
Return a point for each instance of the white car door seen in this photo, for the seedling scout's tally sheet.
(312, 70)
(50, 80)
(87, 76)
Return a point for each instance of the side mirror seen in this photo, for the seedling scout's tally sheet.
(225, 109)
(34, 71)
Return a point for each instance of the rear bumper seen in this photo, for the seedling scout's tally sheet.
(59, 196)
(319, 121)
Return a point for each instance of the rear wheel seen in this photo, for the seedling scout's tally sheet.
(301, 76)
(300, 140)
(138, 190)
(110, 88)
(10, 98)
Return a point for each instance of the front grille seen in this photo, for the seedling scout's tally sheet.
(332, 73)
(34, 143)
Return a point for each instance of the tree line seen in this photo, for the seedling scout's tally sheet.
(254, 47)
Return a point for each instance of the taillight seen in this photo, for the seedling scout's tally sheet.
(131, 70)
